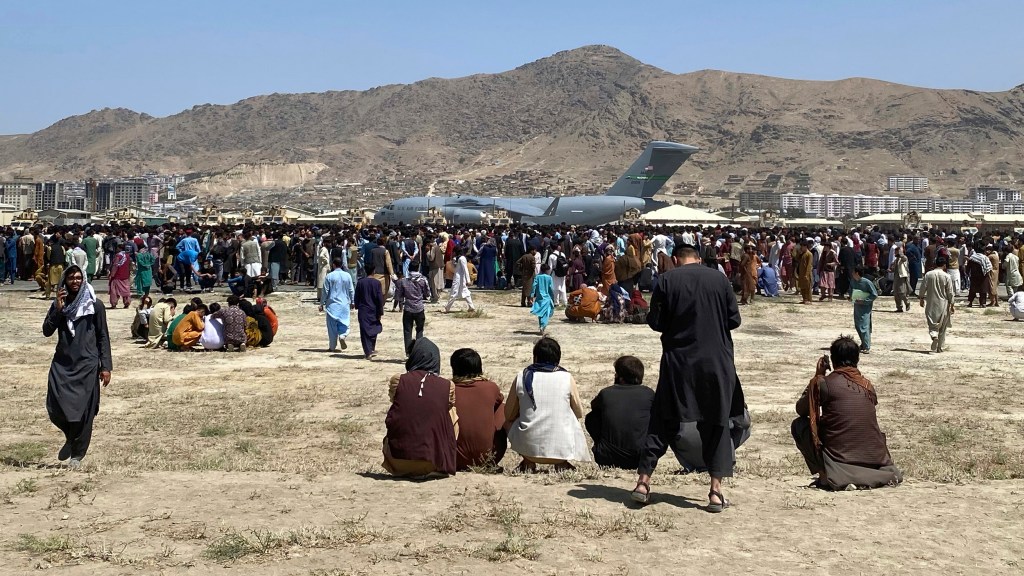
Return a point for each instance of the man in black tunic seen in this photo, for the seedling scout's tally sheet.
(694, 308)
(81, 362)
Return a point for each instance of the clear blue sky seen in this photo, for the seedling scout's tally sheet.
(61, 58)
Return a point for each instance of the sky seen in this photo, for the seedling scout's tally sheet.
(65, 57)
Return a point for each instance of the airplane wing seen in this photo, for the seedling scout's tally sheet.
(515, 206)
(527, 207)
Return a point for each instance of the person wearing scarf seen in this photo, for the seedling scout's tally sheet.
(978, 266)
(81, 362)
(422, 423)
(837, 429)
(616, 305)
(120, 272)
(543, 411)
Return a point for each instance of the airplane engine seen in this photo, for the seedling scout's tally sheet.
(468, 216)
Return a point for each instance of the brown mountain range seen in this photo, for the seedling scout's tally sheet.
(583, 113)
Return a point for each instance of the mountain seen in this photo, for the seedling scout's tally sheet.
(583, 113)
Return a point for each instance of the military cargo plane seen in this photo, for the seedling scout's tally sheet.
(632, 191)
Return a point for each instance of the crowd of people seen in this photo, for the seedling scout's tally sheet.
(697, 279)
(437, 427)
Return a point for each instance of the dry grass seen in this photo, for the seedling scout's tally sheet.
(234, 545)
(22, 454)
(249, 465)
(447, 522)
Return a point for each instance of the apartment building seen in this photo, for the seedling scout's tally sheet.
(907, 184)
(993, 194)
(19, 193)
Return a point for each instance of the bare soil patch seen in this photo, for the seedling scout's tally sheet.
(269, 462)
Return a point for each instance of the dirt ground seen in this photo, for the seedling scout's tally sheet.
(269, 462)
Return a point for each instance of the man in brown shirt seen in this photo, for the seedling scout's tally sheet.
(837, 429)
(480, 406)
(527, 270)
(803, 261)
(993, 276)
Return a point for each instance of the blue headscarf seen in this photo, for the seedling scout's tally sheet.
(528, 377)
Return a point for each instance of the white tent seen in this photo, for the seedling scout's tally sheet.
(678, 214)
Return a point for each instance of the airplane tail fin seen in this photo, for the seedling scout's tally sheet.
(552, 208)
(652, 169)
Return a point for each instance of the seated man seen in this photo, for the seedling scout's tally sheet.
(619, 416)
(213, 331)
(616, 305)
(583, 303)
(159, 318)
(189, 330)
(260, 286)
(234, 319)
(768, 281)
(140, 325)
(167, 277)
(172, 326)
(1016, 303)
(638, 309)
(270, 313)
(238, 285)
(688, 449)
(481, 410)
(207, 275)
(837, 431)
(543, 411)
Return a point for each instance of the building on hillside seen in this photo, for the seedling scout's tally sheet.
(758, 200)
(838, 206)
(907, 184)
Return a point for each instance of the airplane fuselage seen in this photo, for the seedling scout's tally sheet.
(578, 210)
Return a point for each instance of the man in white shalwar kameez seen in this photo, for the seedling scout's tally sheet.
(460, 283)
(936, 296)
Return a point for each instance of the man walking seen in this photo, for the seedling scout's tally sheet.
(337, 303)
(937, 300)
(81, 362)
(901, 280)
(694, 309)
(864, 295)
(410, 292)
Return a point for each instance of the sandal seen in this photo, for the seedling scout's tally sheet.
(641, 497)
(721, 506)
(527, 467)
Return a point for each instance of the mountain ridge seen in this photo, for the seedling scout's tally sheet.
(581, 112)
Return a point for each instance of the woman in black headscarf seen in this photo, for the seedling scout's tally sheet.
(81, 362)
(422, 423)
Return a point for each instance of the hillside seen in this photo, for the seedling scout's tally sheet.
(582, 113)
